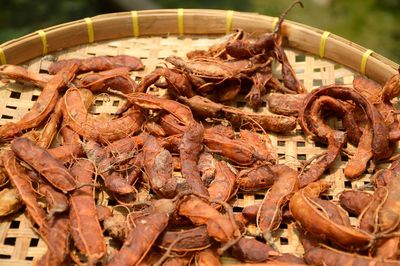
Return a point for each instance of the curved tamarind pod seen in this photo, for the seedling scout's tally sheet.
(116, 79)
(380, 142)
(140, 239)
(191, 239)
(330, 257)
(311, 219)
(99, 63)
(44, 105)
(269, 215)
(53, 170)
(76, 116)
(19, 74)
(354, 201)
(85, 226)
(20, 180)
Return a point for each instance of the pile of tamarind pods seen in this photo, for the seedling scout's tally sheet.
(191, 164)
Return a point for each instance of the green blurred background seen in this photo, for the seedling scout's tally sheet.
(371, 23)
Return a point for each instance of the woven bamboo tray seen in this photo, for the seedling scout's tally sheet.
(155, 34)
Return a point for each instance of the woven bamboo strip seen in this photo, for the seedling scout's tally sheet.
(197, 21)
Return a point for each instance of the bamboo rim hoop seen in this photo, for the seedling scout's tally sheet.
(195, 21)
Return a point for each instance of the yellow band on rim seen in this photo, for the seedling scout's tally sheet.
(180, 21)
(229, 15)
(364, 60)
(3, 60)
(274, 22)
(90, 31)
(322, 43)
(43, 36)
(135, 23)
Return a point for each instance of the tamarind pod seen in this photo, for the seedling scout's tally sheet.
(380, 142)
(289, 75)
(76, 116)
(57, 238)
(391, 89)
(125, 145)
(158, 167)
(54, 171)
(140, 239)
(20, 74)
(387, 248)
(178, 83)
(116, 183)
(148, 101)
(235, 150)
(252, 250)
(243, 48)
(85, 226)
(250, 211)
(336, 141)
(10, 201)
(219, 226)
(354, 201)
(256, 178)
(50, 129)
(382, 177)
(191, 239)
(358, 163)
(202, 106)
(285, 104)
(99, 63)
(21, 182)
(269, 216)
(263, 148)
(389, 212)
(330, 257)
(207, 257)
(311, 219)
(189, 151)
(116, 79)
(56, 201)
(260, 80)
(223, 187)
(369, 216)
(43, 106)
(71, 148)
